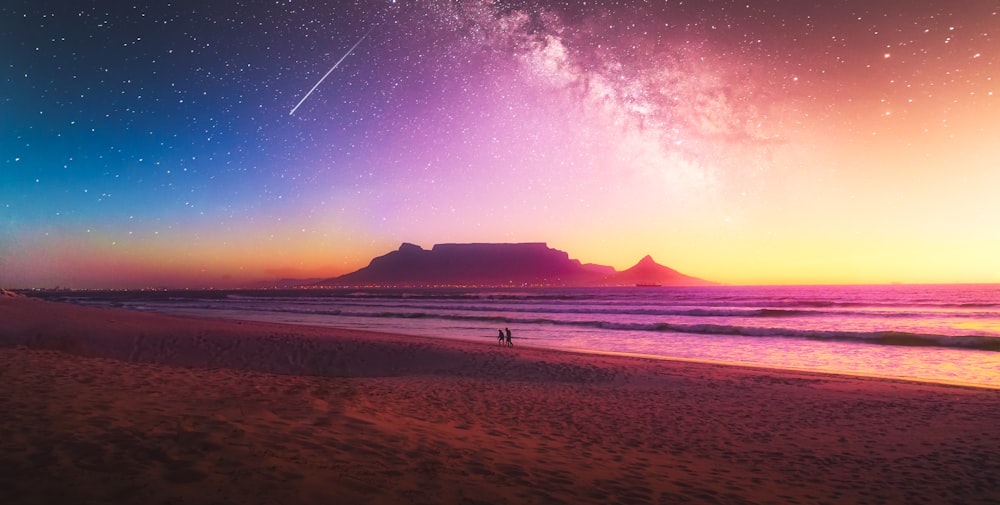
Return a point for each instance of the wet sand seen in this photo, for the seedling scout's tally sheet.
(111, 406)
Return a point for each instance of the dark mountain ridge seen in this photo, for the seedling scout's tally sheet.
(516, 264)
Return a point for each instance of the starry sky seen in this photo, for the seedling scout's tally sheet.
(747, 142)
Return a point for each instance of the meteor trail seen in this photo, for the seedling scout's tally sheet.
(334, 67)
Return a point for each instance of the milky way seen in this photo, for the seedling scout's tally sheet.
(752, 141)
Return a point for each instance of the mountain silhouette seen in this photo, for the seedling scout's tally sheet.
(650, 273)
(481, 264)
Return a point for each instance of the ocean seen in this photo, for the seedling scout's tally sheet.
(939, 333)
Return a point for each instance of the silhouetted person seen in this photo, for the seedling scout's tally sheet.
(500, 337)
(508, 337)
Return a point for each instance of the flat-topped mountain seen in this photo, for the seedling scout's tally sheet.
(531, 264)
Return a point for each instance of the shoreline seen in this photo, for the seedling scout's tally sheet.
(108, 405)
(791, 370)
(882, 347)
(317, 331)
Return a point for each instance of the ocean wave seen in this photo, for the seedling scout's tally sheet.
(320, 306)
(900, 338)
(889, 337)
(603, 310)
(874, 337)
(835, 315)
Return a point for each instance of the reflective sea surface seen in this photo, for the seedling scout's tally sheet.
(948, 333)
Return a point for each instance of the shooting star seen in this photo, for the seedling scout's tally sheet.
(334, 67)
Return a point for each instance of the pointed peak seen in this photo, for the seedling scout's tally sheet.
(647, 266)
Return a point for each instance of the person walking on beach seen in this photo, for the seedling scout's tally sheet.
(509, 342)
(500, 337)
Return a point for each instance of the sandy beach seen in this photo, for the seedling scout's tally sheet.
(111, 406)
